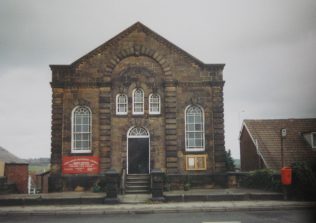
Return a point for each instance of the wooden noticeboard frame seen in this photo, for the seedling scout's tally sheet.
(195, 162)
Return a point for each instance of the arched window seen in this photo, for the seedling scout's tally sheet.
(81, 130)
(194, 128)
(121, 104)
(137, 132)
(154, 104)
(138, 101)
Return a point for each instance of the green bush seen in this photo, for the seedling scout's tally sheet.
(303, 181)
(265, 179)
(229, 161)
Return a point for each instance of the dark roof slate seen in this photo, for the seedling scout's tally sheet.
(267, 135)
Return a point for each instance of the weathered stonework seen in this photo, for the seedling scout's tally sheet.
(137, 57)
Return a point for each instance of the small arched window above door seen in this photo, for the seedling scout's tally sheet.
(138, 132)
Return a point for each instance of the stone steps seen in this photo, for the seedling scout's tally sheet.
(137, 184)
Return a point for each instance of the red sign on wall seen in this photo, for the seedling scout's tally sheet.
(80, 164)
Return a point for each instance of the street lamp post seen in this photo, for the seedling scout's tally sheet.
(283, 135)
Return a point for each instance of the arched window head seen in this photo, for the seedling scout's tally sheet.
(138, 132)
(154, 104)
(138, 101)
(121, 104)
(194, 129)
(81, 130)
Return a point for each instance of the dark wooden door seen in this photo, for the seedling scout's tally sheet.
(138, 155)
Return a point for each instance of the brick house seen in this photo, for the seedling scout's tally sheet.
(13, 173)
(260, 143)
(133, 104)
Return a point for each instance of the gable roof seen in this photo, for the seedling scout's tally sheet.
(7, 157)
(145, 29)
(266, 134)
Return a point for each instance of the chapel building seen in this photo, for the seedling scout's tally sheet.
(134, 104)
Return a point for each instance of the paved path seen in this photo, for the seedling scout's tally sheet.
(155, 208)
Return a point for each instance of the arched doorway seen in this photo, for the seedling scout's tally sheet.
(138, 155)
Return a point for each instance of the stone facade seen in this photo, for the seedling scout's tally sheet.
(137, 58)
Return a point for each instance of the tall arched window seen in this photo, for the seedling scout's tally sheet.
(154, 104)
(121, 104)
(138, 101)
(81, 130)
(194, 128)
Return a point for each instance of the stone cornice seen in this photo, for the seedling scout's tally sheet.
(170, 83)
(201, 83)
(54, 67)
(214, 67)
(166, 83)
(80, 85)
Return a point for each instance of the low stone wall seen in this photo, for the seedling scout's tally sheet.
(171, 181)
(223, 180)
(70, 183)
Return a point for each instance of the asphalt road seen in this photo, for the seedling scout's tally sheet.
(300, 216)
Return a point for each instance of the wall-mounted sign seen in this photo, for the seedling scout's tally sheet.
(80, 164)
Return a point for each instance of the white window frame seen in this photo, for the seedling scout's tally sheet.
(73, 123)
(142, 112)
(313, 143)
(193, 149)
(118, 103)
(151, 104)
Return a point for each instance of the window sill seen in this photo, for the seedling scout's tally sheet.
(121, 114)
(195, 150)
(81, 152)
(154, 114)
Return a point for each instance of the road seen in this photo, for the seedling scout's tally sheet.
(284, 216)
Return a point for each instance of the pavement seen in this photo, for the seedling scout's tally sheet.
(194, 200)
(227, 194)
(67, 198)
(180, 207)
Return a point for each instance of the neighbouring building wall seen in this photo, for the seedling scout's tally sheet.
(249, 159)
(18, 174)
(1, 168)
(42, 182)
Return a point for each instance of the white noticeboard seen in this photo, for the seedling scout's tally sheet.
(191, 162)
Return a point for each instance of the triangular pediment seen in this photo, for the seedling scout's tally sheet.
(138, 26)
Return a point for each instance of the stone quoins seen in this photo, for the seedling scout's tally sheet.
(138, 50)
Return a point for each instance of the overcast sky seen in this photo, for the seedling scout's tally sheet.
(268, 46)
